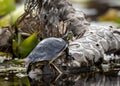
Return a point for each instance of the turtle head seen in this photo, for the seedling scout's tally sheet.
(38, 68)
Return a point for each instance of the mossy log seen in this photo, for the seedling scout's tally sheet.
(56, 18)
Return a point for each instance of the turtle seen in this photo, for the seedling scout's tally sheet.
(47, 51)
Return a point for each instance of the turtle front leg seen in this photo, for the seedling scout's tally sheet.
(56, 68)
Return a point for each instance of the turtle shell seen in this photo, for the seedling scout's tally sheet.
(47, 50)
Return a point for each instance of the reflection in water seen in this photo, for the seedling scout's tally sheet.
(9, 79)
(84, 79)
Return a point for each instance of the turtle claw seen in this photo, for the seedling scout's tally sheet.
(60, 72)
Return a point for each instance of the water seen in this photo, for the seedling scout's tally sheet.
(12, 80)
(82, 79)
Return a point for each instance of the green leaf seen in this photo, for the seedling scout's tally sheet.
(11, 18)
(16, 62)
(6, 6)
(27, 45)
